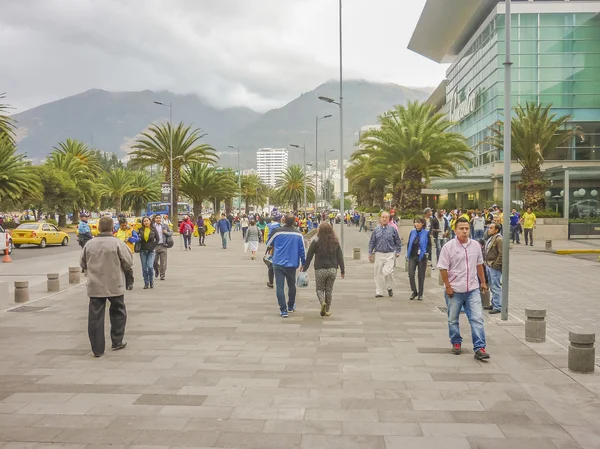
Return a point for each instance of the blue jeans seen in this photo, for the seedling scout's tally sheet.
(187, 241)
(224, 239)
(472, 304)
(495, 276)
(477, 234)
(147, 259)
(439, 244)
(515, 233)
(281, 275)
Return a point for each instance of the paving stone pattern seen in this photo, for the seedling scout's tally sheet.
(210, 364)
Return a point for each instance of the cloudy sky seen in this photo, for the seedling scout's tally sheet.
(256, 53)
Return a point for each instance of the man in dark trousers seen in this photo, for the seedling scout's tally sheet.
(106, 258)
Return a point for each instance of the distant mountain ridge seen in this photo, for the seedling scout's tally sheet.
(110, 121)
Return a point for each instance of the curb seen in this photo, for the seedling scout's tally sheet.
(577, 251)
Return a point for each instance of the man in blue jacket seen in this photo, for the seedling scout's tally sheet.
(288, 254)
(224, 227)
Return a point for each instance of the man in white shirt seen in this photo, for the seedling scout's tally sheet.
(460, 264)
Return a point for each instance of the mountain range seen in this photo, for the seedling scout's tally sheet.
(110, 121)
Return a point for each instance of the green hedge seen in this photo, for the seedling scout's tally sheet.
(585, 220)
(545, 214)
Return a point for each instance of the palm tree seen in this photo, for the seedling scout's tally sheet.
(154, 148)
(414, 143)
(81, 152)
(253, 190)
(535, 134)
(200, 182)
(116, 184)
(367, 180)
(7, 124)
(144, 189)
(290, 186)
(16, 176)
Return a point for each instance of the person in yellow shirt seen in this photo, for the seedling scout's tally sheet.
(528, 220)
(126, 234)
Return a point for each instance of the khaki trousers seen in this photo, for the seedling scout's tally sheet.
(384, 271)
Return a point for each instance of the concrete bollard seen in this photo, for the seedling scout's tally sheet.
(582, 354)
(440, 282)
(548, 245)
(486, 298)
(535, 326)
(21, 291)
(406, 265)
(356, 253)
(428, 272)
(74, 275)
(53, 282)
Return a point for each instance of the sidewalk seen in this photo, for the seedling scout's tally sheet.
(210, 364)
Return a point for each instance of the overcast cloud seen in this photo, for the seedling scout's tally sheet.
(255, 53)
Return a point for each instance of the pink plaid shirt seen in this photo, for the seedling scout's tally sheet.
(461, 262)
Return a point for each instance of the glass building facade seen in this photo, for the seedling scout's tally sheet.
(556, 60)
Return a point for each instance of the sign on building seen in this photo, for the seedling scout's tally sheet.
(165, 192)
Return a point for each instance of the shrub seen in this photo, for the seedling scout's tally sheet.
(52, 221)
(545, 214)
(585, 220)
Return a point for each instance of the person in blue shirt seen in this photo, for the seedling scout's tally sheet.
(417, 250)
(83, 230)
(515, 226)
(288, 254)
(224, 228)
(384, 246)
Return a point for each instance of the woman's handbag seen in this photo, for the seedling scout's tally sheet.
(137, 246)
(169, 242)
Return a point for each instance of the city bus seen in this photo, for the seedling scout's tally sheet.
(164, 209)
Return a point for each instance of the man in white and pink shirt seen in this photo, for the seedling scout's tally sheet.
(461, 264)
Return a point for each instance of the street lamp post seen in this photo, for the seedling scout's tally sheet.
(341, 105)
(326, 179)
(317, 118)
(303, 171)
(239, 180)
(173, 206)
(506, 184)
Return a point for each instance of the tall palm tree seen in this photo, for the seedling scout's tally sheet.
(536, 132)
(16, 176)
(7, 124)
(415, 143)
(154, 148)
(367, 180)
(144, 189)
(116, 184)
(290, 186)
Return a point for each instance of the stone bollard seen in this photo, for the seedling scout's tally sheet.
(74, 275)
(440, 282)
(486, 298)
(356, 253)
(582, 354)
(548, 245)
(53, 282)
(21, 291)
(406, 265)
(428, 272)
(535, 326)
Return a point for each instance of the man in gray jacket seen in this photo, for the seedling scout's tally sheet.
(106, 258)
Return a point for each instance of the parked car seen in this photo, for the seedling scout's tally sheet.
(40, 234)
(3, 235)
(585, 209)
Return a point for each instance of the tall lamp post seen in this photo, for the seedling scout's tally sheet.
(341, 105)
(173, 207)
(506, 184)
(303, 171)
(326, 179)
(317, 118)
(239, 180)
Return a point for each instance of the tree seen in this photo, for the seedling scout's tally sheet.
(16, 176)
(367, 180)
(144, 189)
(253, 190)
(116, 184)
(335, 204)
(200, 182)
(87, 158)
(535, 134)
(290, 186)
(7, 124)
(414, 145)
(154, 148)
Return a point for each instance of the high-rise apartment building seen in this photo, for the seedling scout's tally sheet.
(271, 163)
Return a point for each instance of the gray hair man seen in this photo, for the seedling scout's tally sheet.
(493, 266)
(384, 246)
(106, 259)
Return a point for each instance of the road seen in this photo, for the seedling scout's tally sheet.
(30, 252)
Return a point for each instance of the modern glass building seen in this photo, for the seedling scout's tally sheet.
(556, 60)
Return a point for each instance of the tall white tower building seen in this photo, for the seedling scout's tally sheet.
(271, 163)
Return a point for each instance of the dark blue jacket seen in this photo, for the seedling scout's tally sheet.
(223, 226)
(424, 243)
(288, 247)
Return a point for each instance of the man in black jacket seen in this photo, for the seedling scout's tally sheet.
(440, 230)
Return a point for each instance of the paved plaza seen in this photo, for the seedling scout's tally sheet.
(210, 364)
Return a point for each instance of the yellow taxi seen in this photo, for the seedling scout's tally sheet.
(40, 234)
(93, 224)
(135, 223)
